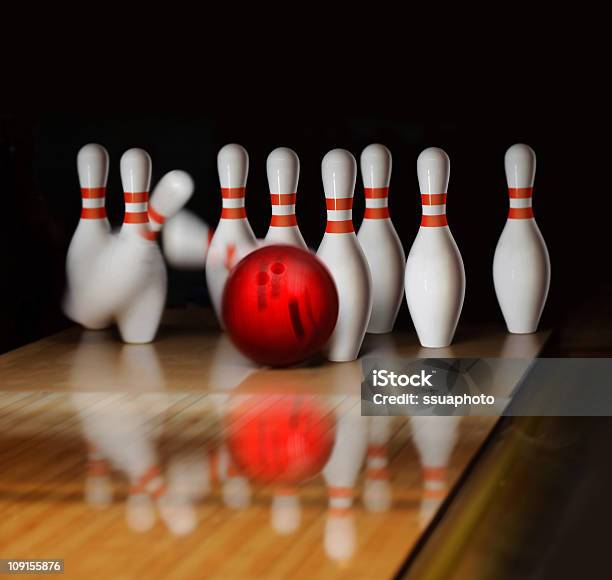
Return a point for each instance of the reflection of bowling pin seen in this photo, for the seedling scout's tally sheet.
(123, 428)
(283, 166)
(185, 240)
(285, 511)
(434, 438)
(98, 486)
(91, 235)
(233, 238)
(340, 474)
(376, 487)
(521, 266)
(435, 278)
(379, 240)
(341, 253)
(235, 487)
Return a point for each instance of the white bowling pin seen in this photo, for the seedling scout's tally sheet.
(185, 241)
(341, 252)
(91, 235)
(139, 318)
(379, 240)
(233, 239)
(283, 167)
(435, 278)
(521, 266)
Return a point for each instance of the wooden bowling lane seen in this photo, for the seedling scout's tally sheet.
(117, 457)
(190, 355)
(65, 492)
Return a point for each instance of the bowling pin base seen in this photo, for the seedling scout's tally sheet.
(342, 357)
(527, 330)
(380, 330)
(436, 343)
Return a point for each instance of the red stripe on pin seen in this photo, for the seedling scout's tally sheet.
(339, 227)
(433, 221)
(520, 192)
(376, 213)
(93, 192)
(282, 198)
(93, 213)
(155, 216)
(341, 203)
(434, 473)
(280, 221)
(433, 198)
(233, 213)
(136, 218)
(376, 192)
(520, 213)
(136, 196)
(148, 234)
(232, 192)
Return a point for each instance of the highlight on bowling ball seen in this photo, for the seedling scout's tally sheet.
(284, 439)
(280, 305)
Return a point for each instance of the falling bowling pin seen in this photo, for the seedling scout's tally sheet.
(91, 235)
(341, 252)
(521, 266)
(283, 167)
(233, 238)
(435, 278)
(185, 241)
(379, 240)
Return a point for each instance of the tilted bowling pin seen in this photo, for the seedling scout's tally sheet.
(185, 241)
(521, 266)
(435, 278)
(233, 238)
(91, 235)
(129, 279)
(379, 240)
(341, 252)
(139, 319)
(283, 167)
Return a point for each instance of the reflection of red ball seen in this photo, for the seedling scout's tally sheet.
(280, 305)
(281, 439)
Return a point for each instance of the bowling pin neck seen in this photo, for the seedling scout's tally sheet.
(136, 217)
(376, 199)
(434, 210)
(283, 210)
(339, 215)
(520, 203)
(233, 203)
(93, 201)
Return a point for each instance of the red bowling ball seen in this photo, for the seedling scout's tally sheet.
(280, 305)
(280, 439)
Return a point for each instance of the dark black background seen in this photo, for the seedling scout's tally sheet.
(41, 201)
